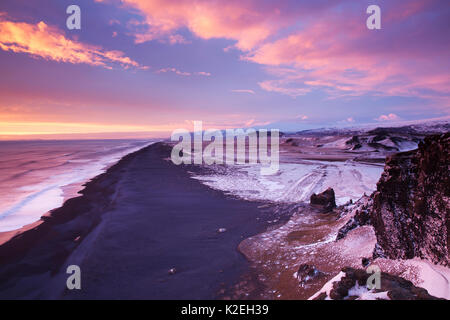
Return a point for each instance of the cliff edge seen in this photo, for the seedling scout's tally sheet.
(411, 207)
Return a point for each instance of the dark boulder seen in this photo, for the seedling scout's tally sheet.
(325, 200)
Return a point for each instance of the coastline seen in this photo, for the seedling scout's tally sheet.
(120, 224)
(147, 229)
(51, 173)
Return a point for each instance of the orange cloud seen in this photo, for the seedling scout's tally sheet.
(47, 42)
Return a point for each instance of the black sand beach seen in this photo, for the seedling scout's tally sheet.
(132, 224)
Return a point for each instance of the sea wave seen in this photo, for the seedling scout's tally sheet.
(38, 176)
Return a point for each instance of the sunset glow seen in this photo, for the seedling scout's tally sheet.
(152, 65)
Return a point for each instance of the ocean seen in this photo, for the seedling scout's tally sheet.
(38, 176)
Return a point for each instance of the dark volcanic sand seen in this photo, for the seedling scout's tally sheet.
(141, 218)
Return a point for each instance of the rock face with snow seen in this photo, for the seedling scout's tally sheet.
(389, 140)
(411, 207)
(360, 218)
(325, 200)
(351, 284)
(307, 273)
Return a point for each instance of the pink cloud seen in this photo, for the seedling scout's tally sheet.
(337, 54)
(317, 45)
(302, 117)
(250, 122)
(389, 117)
(202, 73)
(248, 22)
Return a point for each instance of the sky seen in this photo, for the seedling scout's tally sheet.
(142, 68)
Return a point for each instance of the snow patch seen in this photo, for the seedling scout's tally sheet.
(434, 278)
(328, 286)
(295, 182)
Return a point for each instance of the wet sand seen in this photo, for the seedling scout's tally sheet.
(131, 225)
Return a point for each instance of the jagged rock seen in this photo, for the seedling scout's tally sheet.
(378, 252)
(353, 285)
(360, 218)
(306, 273)
(411, 210)
(325, 200)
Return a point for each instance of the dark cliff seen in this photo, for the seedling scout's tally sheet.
(411, 207)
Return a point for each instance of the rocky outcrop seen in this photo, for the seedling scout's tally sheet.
(411, 207)
(325, 200)
(360, 218)
(386, 140)
(307, 273)
(352, 285)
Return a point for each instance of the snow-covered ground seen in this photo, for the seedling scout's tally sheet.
(312, 161)
(424, 274)
(434, 278)
(296, 182)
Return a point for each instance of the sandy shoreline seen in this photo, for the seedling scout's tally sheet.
(129, 227)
